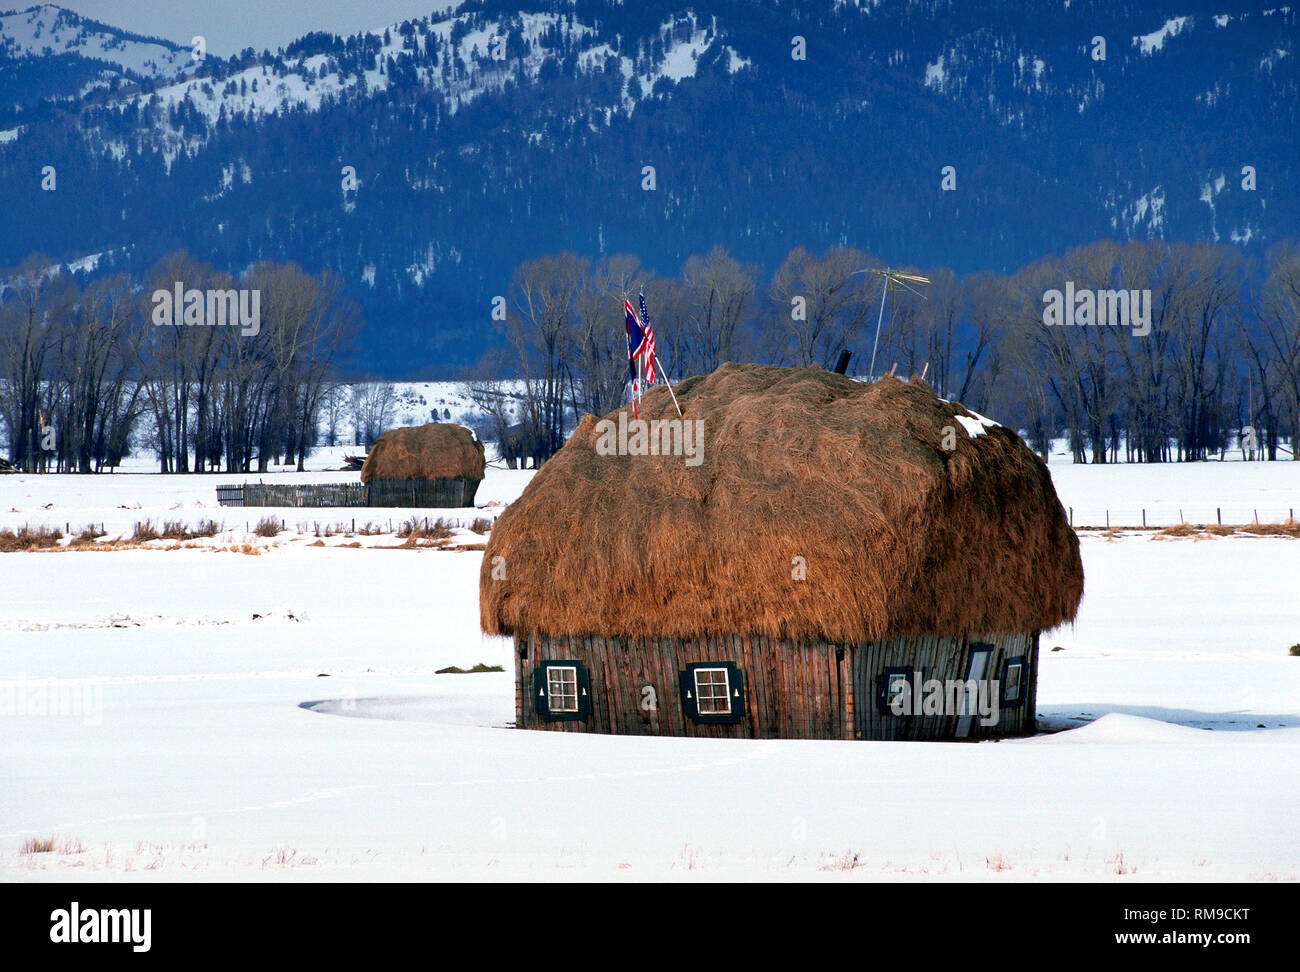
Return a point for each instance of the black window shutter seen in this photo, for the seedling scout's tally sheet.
(738, 694)
(689, 709)
(540, 701)
(584, 692)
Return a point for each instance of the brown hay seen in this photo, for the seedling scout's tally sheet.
(900, 537)
(420, 529)
(1287, 528)
(438, 451)
(29, 538)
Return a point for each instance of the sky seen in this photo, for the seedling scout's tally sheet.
(228, 26)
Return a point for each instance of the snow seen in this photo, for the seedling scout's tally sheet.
(1146, 212)
(1268, 60)
(1154, 41)
(1170, 493)
(935, 76)
(146, 713)
(50, 29)
(975, 424)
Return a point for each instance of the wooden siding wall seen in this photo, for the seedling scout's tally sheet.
(940, 658)
(793, 690)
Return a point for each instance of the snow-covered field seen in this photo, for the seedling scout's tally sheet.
(158, 730)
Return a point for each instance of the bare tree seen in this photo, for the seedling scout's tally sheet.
(823, 301)
(718, 292)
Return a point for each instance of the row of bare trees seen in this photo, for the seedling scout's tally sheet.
(1217, 362)
(83, 370)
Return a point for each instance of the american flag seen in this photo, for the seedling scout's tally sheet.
(648, 344)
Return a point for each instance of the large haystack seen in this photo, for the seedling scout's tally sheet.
(434, 451)
(899, 536)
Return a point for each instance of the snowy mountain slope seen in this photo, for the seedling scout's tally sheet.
(47, 30)
(447, 57)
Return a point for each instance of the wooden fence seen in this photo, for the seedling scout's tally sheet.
(407, 493)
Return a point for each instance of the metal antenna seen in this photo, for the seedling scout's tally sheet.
(898, 278)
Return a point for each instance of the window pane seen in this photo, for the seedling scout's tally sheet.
(1013, 682)
(712, 691)
(562, 688)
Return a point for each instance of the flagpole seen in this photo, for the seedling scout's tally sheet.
(669, 384)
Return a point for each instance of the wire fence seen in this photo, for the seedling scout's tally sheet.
(1228, 514)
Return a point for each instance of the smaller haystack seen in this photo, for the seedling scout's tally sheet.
(424, 465)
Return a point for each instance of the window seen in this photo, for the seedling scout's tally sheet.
(713, 692)
(1013, 681)
(562, 688)
(976, 671)
(895, 683)
(561, 691)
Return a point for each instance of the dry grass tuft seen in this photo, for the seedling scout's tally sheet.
(268, 526)
(419, 530)
(848, 861)
(88, 535)
(1287, 528)
(51, 845)
(38, 845)
(29, 538)
(145, 531)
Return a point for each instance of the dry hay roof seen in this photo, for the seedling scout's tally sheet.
(898, 535)
(435, 451)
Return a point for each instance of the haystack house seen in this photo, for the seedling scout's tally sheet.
(836, 560)
(424, 465)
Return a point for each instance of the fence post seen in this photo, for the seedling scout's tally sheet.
(1218, 511)
(1108, 519)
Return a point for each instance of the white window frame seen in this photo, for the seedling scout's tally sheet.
(1020, 682)
(551, 694)
(726, 693)
(895, 685)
